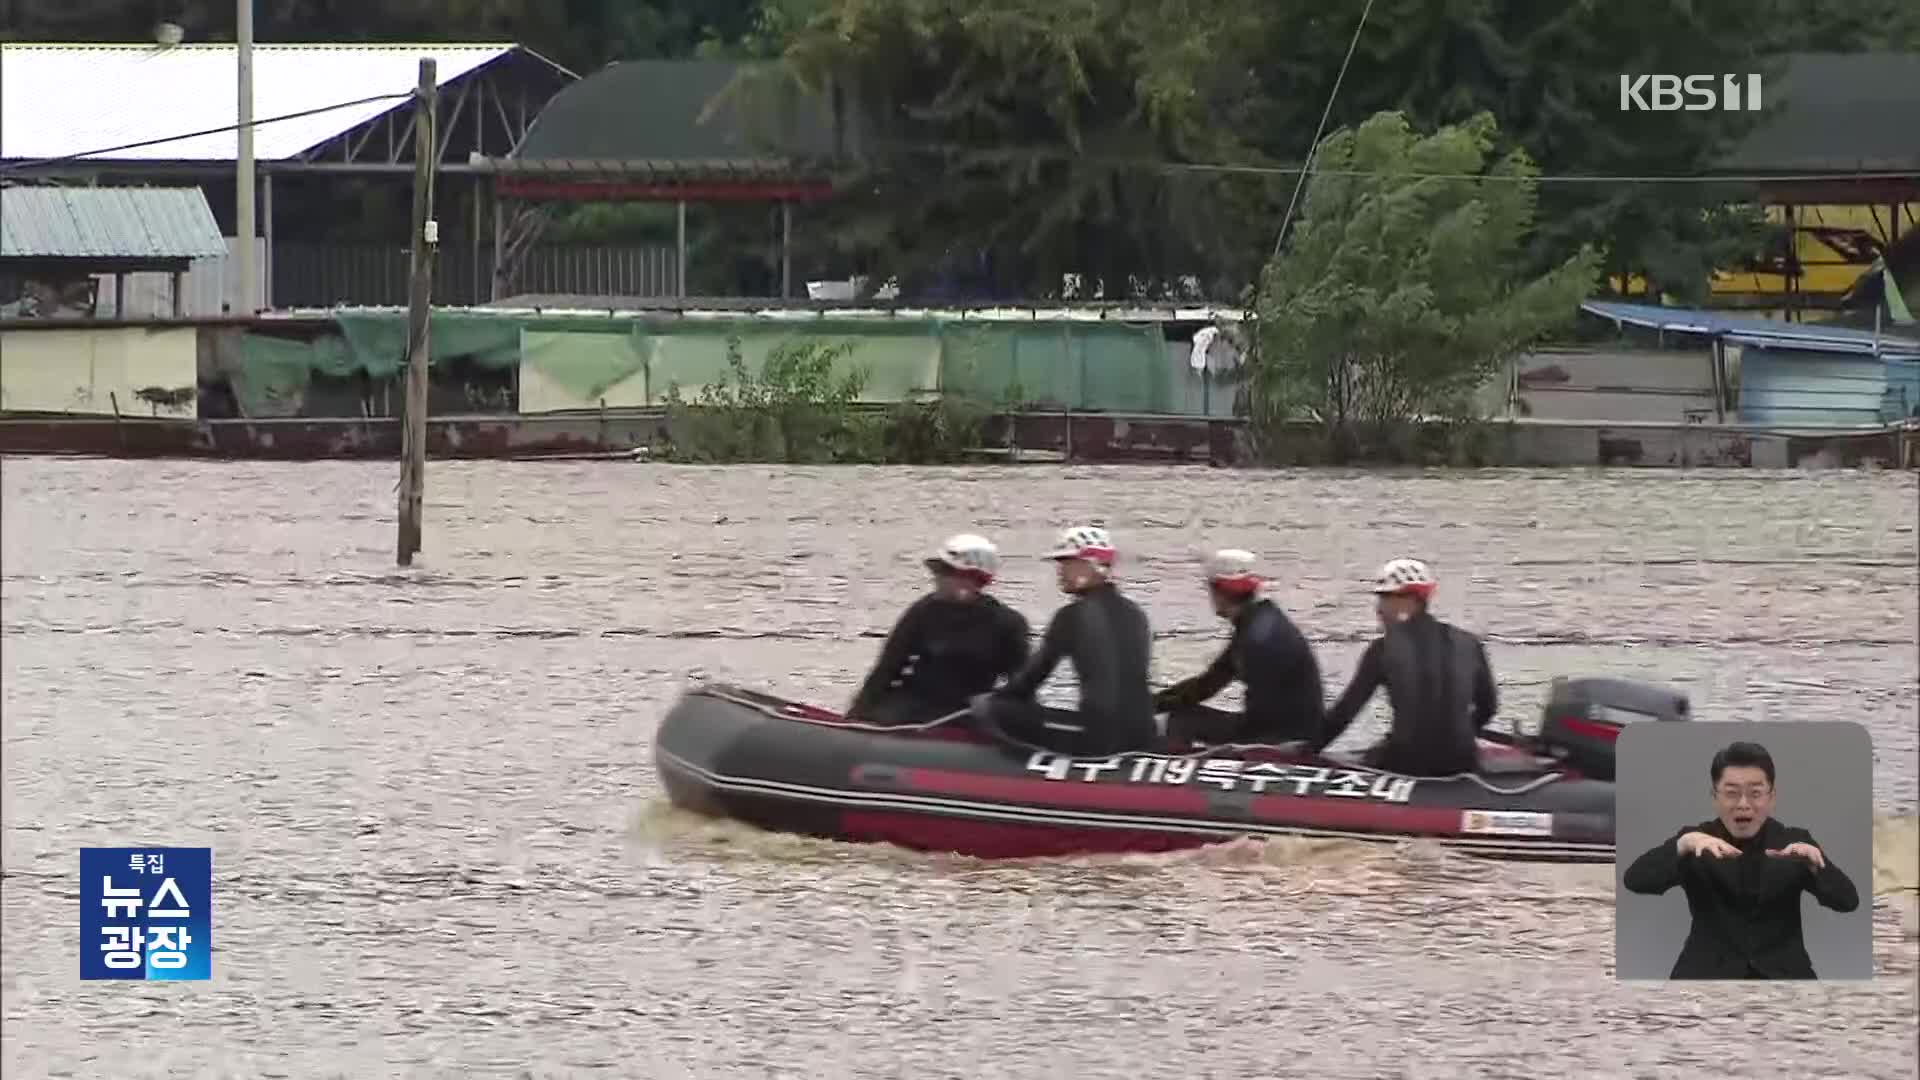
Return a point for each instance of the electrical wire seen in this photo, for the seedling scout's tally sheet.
(1151, 164)
(20, 165)
(1544, 178)
(1314, 147)
(1027, 154)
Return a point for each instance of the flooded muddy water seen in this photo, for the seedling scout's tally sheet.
(440, 849)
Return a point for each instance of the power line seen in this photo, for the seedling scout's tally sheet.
(1314, 146)
(1757, 178)
(1160, 165)
(17, 166)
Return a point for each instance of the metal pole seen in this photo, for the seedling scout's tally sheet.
(680, 249)
(413, 431)
(786, 250)
(266, 247)
(243, 161)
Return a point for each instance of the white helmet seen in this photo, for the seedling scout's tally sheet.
(1405, 576)
(1089, 542)
(965, 553)
(1232, 570)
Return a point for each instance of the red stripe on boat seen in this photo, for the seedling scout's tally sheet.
(1366, 815)
(1590, 729)
(1007, 839)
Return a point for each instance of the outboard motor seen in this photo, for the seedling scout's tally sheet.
(1583, 718)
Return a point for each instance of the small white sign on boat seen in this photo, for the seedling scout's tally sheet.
(1506, 823)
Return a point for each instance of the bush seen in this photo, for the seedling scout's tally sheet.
(797, 411)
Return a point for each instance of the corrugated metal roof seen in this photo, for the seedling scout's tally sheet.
(107, 223)
(60, 100)
(719, 309)
(1837, 112)
(1758, 332)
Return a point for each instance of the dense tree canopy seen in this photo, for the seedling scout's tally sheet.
(1039, 139)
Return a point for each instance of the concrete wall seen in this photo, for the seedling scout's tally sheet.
(1614, 385)
(89, 371)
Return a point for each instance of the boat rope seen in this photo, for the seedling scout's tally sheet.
(807, 714)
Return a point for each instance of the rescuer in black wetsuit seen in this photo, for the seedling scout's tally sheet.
(1106, 638)
(1267, 653)
(1437, 679)
(951, 644)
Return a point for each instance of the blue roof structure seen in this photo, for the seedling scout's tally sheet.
(1761, 333)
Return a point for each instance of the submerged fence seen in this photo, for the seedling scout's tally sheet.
(376, 275)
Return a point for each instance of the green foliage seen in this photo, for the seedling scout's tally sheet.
(1399, 294)
(796, 410)
(793, 410)
(945, 429)
(1549, 73)
(1024, 137)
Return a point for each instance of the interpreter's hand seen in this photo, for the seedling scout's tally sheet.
(1800, 849)
(1699, 843)
(977, 704)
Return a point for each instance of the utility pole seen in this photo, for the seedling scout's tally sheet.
(426, 237)
(243, 226)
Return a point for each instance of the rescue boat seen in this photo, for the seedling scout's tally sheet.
(1542, 793)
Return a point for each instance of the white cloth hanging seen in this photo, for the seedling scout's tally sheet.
(1202, 344)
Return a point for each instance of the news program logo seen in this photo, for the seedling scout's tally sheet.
(1689, 93)
(146, 913)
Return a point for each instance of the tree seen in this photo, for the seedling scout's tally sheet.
(1029, 137)
(1550, 72)
(1398, 295)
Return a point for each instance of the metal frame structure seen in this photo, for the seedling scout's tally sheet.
(526, 191)
(486, 109)
(1900, 199)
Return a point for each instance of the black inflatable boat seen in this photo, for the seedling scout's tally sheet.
(1545, 794)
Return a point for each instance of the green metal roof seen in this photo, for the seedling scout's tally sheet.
(661, 112)
(1837, 112)
(161, 224)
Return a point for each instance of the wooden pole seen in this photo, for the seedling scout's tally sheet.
(243, 164)
(413, 432)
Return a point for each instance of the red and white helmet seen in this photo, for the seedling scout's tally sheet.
(1232, 571)
(1089, 542)
(1405, 577)
(969, 555)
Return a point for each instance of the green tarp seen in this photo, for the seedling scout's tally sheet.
(584, 363)
(378, 341)
(1109, 367)
(901, 360)
(1087, 366)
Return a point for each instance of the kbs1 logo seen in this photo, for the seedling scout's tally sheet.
(146, 913)
(1689, 93)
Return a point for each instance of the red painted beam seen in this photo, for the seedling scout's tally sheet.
(658, 191)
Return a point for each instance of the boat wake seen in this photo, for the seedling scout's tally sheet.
(661, 827)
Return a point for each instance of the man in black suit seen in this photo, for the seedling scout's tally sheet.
(1743, 873)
